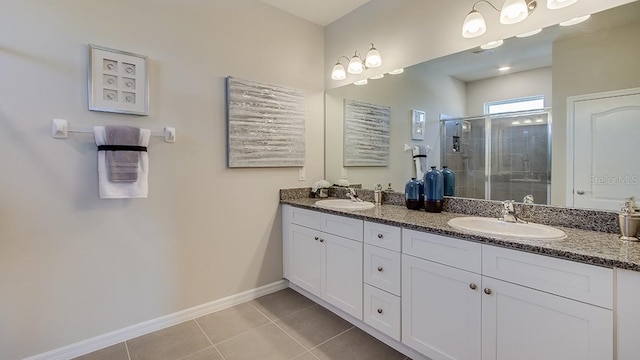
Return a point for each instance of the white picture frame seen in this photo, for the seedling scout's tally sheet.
(118, 81)
(418, 124)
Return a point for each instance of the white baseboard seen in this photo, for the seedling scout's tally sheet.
(130, 332)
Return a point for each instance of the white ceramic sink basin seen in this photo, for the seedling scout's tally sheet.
(495, 227)
(344, 204)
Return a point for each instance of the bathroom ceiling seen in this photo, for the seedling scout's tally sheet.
(321, 12)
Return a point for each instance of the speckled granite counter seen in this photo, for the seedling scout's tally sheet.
(591, 247)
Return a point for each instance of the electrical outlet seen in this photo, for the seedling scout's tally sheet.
(344, 173)
(301, 174)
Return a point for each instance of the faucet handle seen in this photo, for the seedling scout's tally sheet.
(528, 199)
(507, 206)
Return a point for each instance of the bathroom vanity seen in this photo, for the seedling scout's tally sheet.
(434, 292)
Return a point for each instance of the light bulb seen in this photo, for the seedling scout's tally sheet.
(338, 72)
(513, 11)
(373, 59)
(474, 25)
(355, 65)
(559, 4)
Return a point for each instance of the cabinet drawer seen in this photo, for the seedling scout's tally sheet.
(303, 217)
(445, 250)
(382, 268)
(341, 226)
(382, 311)
(582, 282)
(386, 236)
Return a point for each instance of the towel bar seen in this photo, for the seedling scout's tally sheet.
(60, 130)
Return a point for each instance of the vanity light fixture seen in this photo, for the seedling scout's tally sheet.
(396, 71)
(575, 21)
(355, 64)
(512, 12)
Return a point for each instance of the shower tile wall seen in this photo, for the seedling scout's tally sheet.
(469, 162)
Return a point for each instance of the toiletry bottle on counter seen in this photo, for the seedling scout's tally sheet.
(412, 194)
(449, 181)
(433, 190)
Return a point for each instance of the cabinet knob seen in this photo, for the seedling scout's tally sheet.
(380, 268)
(473, 286)
(380, 236)
(316, 238)
(380, 311)
(487, 291)
(321, 240)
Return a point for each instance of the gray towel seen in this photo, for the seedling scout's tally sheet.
(122, 165)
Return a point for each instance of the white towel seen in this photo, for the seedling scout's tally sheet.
(122, 190)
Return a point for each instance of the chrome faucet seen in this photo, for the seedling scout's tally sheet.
(525, 211)
(508, 212)
(351, 194)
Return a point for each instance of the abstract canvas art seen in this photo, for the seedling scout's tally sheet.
(366, 134)
(265, 125)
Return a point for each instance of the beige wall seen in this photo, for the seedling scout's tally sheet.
(418, 88)
(73, 266)
(521, 84)
(408, 32)
(585, 65)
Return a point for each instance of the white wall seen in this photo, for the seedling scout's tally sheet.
(73, 266)
(408, 32)
(521, 84)
(418, 88)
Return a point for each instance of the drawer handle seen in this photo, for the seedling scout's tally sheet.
(321, 240)
(487, 291)
(316, 238)
(380, 268)
(473, 286)
(380, 236)
(380, 311)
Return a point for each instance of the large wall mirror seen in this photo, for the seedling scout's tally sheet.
(559, 64)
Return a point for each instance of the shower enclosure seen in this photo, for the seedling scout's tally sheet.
(500, 156)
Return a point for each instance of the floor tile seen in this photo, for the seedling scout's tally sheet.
(169, 344)
(313, 326)
(265, 343)
(281, 303)
(355, 344)
(306, 356)
(230, 322)
(206, 354)
(115, 352)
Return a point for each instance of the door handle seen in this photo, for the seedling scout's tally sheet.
(580, 192)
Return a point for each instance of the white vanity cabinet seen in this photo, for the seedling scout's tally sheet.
(628, 314)
(323, 255)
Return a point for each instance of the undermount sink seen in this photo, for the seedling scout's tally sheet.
(496, 227)
(344, 204)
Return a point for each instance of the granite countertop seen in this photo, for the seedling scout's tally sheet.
(590, 247)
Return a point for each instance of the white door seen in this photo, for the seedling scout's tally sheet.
(606, 169)
(305, 258)
(441, 312)
(526, 324)
(342, 274)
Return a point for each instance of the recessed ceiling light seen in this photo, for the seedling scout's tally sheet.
(528, 121)
(396, 71)
(539, 120)
(492, 44)
(515, 123)
(504, 68)
(529, 33)
(377, 77)
(574, 21)
(361, 82)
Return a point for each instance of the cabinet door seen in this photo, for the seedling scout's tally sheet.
(305, 258)
(526, 324)
(441, 311)
(628, 314)
(342, 274)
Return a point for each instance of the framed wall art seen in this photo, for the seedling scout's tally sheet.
(265, 125)
(118, 81)
(366, 134)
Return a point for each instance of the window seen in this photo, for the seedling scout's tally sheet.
(511, 105)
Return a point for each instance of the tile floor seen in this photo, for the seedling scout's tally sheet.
(283, 325)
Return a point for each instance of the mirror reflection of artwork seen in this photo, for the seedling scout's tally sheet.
(418, 125)
(266, 125)
(366, 134)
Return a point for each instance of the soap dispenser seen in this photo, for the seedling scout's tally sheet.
(629, 220)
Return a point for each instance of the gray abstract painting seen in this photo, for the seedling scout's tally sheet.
(366, 134)
(265, 125)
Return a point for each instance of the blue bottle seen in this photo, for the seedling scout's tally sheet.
(449, 181)
(412, 194)
(421, 183)
(433, 190)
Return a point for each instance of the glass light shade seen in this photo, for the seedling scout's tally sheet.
(373, 59)
(355, 65)
(559, 4)
(474, 25)
(338, 72)
(513, 11)
(575, 21)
